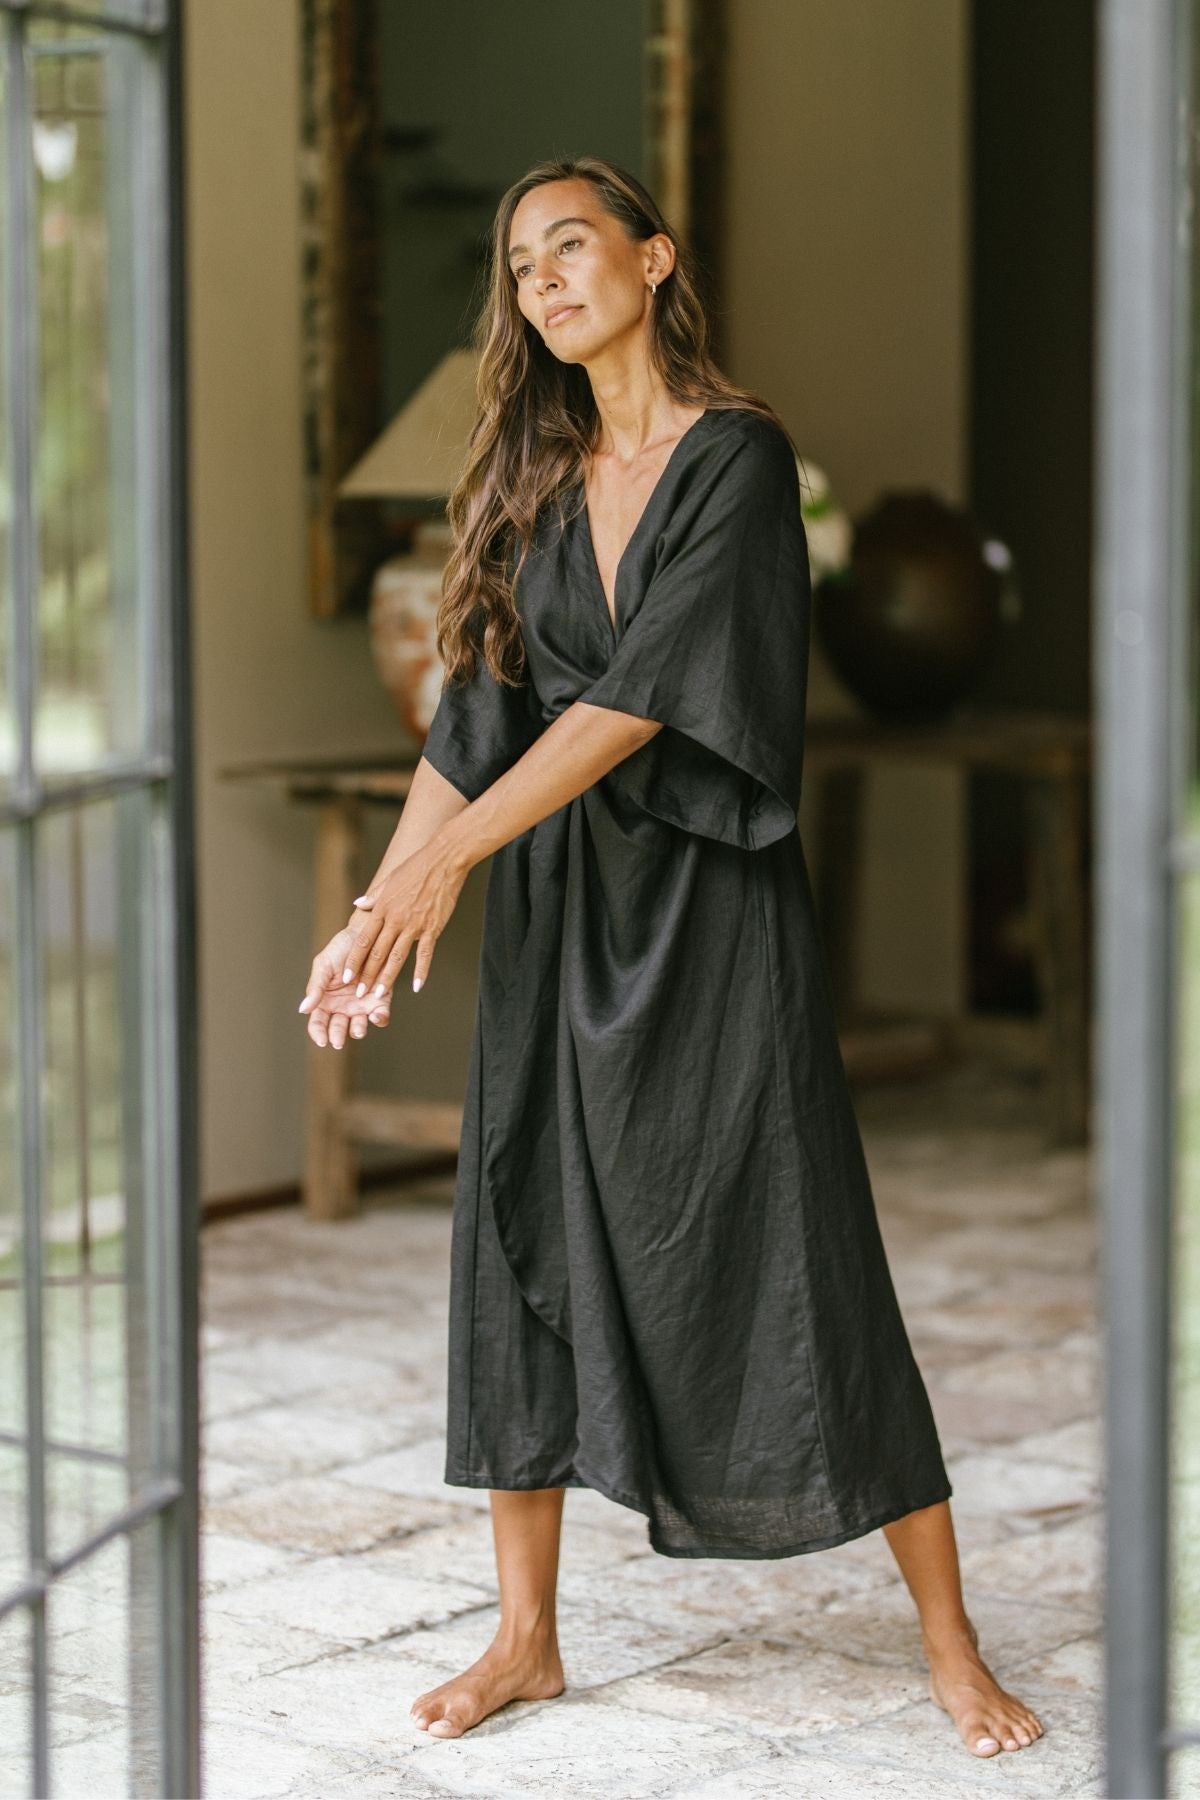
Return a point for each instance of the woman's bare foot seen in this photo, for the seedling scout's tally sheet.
(989, 1720)
(528, 1668)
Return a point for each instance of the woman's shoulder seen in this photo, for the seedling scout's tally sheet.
(751, 445)
(744, 424)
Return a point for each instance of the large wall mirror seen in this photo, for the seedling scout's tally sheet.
(414, 121)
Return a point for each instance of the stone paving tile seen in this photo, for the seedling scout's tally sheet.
(234, 1650)
(1077, 1666)
(225, 1392)
(291, 1369)
(582, 1747)
(735, 1596)
(226, 1559)
(771, 1686)
(795, 1770)
(598, 1642)
(354, 1698)
(1062, 1563)
(1030, 1494)
(415, 1469)
(334, 1598)
(321, 1513)
(462, 1549)
(242, 1761)
(1067, 1242)
(1054, 1381)
(350, 1598)
(300, 1438)
(920, 1744)
(1077, 1445)
(882, 1627)
(221, 1480)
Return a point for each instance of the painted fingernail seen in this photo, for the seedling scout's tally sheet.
(380, 988)
(360, 990)
(347, 974)
(417, 984)
(304, 1004)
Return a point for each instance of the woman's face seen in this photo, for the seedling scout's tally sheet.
(569, 257)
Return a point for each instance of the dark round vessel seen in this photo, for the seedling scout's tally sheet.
(909, 627)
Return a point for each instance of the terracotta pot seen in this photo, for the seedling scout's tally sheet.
(402, 619)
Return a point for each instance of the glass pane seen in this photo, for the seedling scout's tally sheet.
(149, 13)
(98, 1199)
(16, 1703)
(88, 709)
(13, 1541)
(102, 1629)
(8, 725)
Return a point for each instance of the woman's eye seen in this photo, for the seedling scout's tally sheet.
(523, 268)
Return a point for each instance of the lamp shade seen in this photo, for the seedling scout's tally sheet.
(420, 454)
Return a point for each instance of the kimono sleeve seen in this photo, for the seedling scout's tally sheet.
(481, 727)
(717, 651)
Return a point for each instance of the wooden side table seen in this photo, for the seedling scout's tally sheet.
(1051, 754)
(337, 1118)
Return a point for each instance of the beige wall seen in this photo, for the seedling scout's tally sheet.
(270, 680)
(847, 268)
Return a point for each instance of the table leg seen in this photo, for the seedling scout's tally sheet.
(331, 1167)
(1055, 822)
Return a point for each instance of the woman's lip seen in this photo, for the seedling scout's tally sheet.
(564, 312)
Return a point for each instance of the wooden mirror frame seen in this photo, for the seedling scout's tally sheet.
(341, 324)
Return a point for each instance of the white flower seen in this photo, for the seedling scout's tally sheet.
(827, 527)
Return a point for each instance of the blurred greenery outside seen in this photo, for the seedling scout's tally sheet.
(78, 721)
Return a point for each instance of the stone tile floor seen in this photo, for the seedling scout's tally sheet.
(342, 1577)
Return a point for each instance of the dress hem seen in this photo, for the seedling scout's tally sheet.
(578, 1479)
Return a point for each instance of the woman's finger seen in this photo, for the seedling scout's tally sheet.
(320, 977)
(318, 1025)
(398, 957)
(361, 944)
(423, 959)
(380, 960)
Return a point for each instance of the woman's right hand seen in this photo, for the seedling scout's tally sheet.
(336, 1012)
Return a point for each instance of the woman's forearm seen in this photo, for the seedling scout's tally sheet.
(430, 803)
(582, 744)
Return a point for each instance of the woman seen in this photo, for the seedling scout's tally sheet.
(667, 1279)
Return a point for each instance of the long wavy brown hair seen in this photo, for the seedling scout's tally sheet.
(538, 420)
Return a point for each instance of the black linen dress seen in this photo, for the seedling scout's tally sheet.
(667, 1280)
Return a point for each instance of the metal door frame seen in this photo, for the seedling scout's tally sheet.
(161, 774)
(1143, 549)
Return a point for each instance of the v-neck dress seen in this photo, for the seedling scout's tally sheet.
(667, 1280)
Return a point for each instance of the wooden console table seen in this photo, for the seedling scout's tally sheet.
(337, 1118)
(1051, 754)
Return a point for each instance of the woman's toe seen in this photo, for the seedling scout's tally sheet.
(986, 1746)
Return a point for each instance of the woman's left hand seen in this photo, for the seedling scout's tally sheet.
(411, 905)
